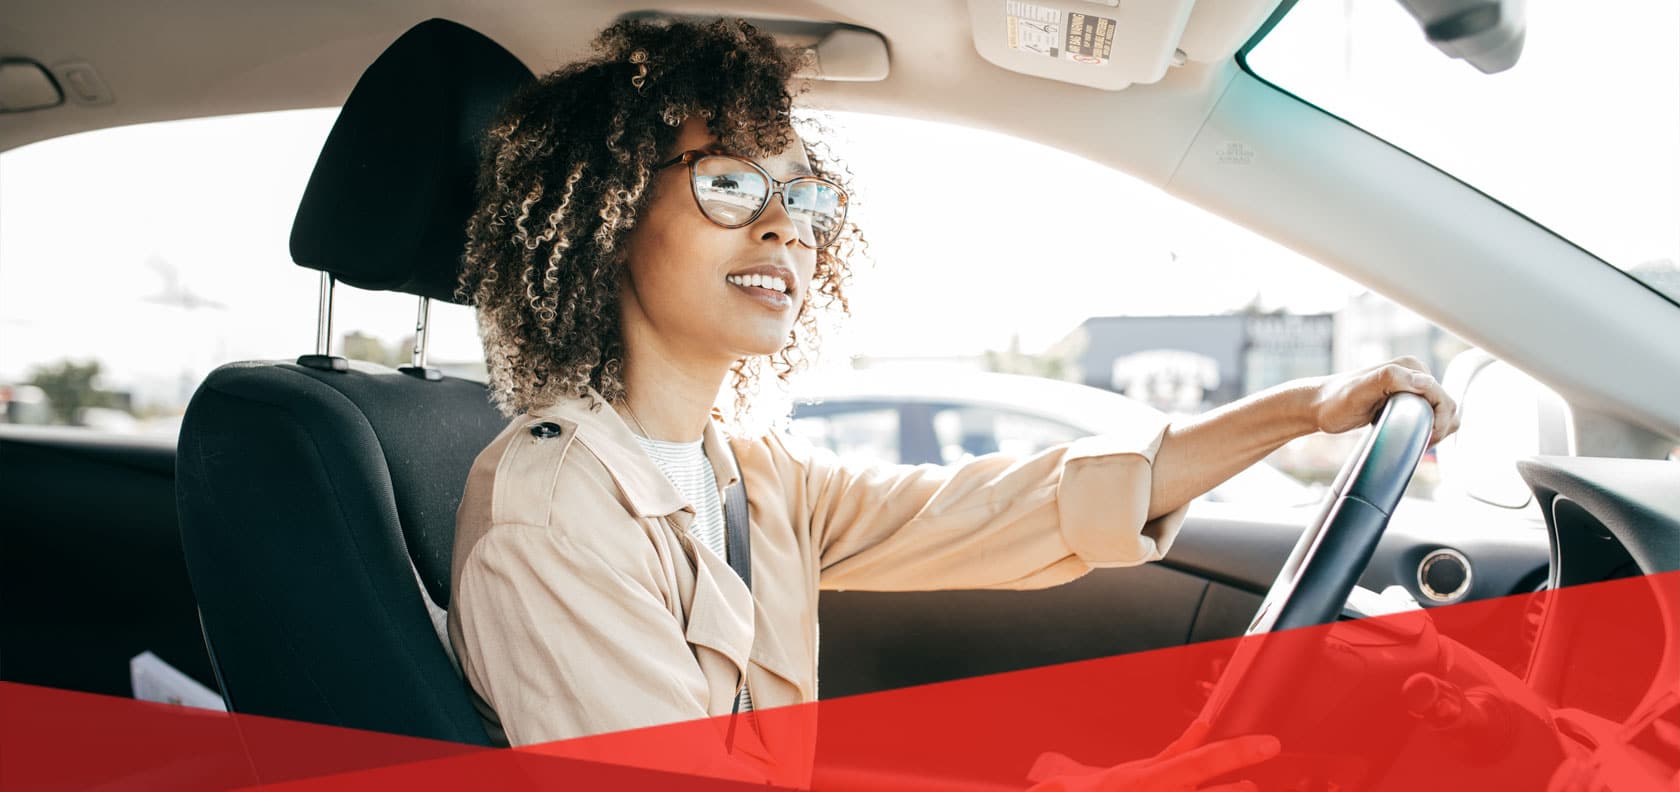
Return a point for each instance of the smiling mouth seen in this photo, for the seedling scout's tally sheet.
(764, 290)
(768, 283)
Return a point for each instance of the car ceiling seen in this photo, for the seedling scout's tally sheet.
(1331, 192)
(186, 58)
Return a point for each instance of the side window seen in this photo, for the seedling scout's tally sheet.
(135, 260)
(867, 433)
(1114, 286)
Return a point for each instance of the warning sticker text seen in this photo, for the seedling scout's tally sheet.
(1090, 39)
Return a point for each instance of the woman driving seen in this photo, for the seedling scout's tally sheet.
(656, 232)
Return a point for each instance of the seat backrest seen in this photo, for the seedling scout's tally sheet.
(313, 496)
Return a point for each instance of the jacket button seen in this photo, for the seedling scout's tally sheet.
(545, 430)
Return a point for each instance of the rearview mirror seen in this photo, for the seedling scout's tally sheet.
(1486, 33)
(1505, 415)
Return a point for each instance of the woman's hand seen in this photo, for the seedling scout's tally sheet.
(1183, 766)
(1349, 401)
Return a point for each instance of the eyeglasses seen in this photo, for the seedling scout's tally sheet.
(733, 192)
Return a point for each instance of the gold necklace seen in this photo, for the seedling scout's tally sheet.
(626, 402)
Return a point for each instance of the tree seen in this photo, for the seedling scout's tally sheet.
(70, 387)
(358, 345)
(1055, 363)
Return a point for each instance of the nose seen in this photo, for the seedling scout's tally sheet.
(774, 224)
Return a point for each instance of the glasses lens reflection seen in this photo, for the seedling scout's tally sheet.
(731, 192)
(817, 210)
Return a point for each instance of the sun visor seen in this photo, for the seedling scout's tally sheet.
(834, 51)
(1110, 44)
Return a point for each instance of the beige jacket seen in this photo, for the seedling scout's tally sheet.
(581, 605)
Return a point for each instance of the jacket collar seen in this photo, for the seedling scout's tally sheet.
(644, 485)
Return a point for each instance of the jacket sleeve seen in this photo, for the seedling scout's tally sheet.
(564, 643)
(995, 521)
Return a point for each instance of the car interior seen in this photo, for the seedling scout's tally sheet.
(290, 549)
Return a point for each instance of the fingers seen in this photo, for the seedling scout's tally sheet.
(1446, 410)
(1401, 375)
(1217, 759)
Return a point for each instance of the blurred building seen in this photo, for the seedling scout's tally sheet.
(1192, 363)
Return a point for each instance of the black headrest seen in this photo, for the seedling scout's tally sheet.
(387, 205)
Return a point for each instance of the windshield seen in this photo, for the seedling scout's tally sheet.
(112, 325)
(1582, 135)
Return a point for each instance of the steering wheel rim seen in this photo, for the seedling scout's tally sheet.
(1327, 560)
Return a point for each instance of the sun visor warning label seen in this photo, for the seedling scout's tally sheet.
(1090, 39)
(1073, 36)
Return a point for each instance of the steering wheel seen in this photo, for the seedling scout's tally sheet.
(1325, 564)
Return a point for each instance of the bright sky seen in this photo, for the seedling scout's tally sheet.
(90, 223)
(1582, 134)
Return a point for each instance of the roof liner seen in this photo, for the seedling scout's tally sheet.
(197, 58)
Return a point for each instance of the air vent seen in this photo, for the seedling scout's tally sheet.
(1444, 575)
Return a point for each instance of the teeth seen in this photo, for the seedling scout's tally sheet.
(762, 281)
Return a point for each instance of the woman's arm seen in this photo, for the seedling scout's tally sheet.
(1199, 453)
(1000, 521)
(1014, 522)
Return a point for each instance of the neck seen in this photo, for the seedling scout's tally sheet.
(670, 391)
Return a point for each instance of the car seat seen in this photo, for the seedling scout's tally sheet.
(317, 497)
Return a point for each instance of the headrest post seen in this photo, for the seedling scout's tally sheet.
(421, 330)
(323, 317)
(323, 358)
(417, 360)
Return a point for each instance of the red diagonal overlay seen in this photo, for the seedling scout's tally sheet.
(1421, 699)
(57, 739)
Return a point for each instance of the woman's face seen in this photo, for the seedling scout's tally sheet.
(683, 268)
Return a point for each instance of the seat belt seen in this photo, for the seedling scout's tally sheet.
(738, 547)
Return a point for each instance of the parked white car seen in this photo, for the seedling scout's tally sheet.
(944, 415)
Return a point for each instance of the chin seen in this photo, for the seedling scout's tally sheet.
(760, 350)
(761, 346)
(766, 336)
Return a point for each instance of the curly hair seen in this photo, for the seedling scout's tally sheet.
(565, 172)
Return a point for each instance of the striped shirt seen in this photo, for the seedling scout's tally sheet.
(686, 465)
